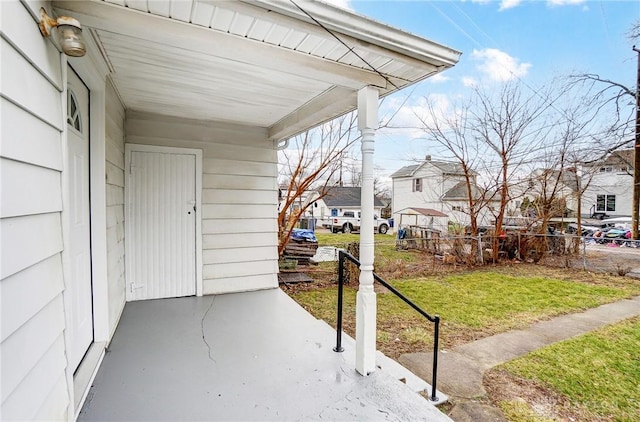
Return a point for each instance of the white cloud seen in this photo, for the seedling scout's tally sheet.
(407, 115)
(344, 4)
(438, 78)
(564, 2)
(468, 81)
(509, 4)
(498, 65)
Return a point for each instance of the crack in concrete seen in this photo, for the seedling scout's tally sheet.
(202, 329)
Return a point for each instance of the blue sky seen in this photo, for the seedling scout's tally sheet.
(531, 40)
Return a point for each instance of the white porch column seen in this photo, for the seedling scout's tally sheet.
(366, 297)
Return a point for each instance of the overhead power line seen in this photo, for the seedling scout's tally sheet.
(351, 49)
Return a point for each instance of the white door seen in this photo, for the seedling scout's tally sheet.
(161, 225)
(78, 292)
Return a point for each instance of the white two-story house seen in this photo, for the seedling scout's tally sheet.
(609, 186)
(438, 186)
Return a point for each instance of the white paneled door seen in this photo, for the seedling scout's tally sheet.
(78, 293)
(161, 225)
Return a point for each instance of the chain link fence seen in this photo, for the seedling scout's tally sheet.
(617, 255)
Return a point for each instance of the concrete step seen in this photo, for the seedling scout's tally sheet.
(392, 368)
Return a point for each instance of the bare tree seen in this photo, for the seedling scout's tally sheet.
(507, 122)
(634, 32)
(624, 100)
(450, 129)
(311, 163)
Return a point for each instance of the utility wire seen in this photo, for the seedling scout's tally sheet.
(484, 33)
(351, 49)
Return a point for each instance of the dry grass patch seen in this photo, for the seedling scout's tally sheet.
(472, 305)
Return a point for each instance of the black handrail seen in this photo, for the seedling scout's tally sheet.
(435, 319)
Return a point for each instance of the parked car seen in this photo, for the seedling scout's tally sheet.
(350, 222)
(586, 230)
(619, 222)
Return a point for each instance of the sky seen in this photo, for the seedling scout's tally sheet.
(532, 41)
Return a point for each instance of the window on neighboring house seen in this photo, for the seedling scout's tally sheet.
(606, 169)
(606, 203)
(456, 208)
(417, 185)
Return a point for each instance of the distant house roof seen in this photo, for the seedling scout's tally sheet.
(624, 156)
(443, 166)
(428, 212)
(406, 171)
(448, 168)
(567, 177)
(338, 197)
(459, 192)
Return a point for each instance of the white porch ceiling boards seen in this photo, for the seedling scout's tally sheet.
(263, 63)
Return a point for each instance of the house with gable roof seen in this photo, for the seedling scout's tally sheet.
(138, 209)
(340, 199)
(438, 186)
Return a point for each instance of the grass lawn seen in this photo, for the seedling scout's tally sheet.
(591, 377)
(471, 305)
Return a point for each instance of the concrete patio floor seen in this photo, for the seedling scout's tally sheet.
(250, 356)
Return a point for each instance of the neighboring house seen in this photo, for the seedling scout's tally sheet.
(298, 203)
(340, 199)
(555, 187)
(439, 186)
(610, 185)
(147, 168)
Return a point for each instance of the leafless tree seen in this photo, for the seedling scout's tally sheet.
(621, 98)
(450, 130)
(311, 163)
(634, 32)
(509, 123)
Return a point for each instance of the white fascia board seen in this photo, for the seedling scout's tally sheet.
(366, 29)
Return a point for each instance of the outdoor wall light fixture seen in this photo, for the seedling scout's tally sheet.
(69, 33)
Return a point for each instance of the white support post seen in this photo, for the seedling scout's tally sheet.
(366, 297)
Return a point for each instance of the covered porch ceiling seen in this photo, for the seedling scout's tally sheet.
(282, 65)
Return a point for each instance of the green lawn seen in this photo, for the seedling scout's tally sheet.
(340, 240)
(594, 377)
(598, 373)
(471, 305)
(387, 257)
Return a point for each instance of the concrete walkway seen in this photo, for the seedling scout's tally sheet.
(460, 370)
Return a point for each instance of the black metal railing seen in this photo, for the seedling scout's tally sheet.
(342, 255)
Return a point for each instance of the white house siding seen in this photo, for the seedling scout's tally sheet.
(434, 186)
(239, 197)
(34, 383)
(114, 151)
(405, 197)
(615, 183)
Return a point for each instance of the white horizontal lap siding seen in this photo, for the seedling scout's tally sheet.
(114, 152)
(34, 383)
(612, 183)
(403, 197)
(239, 197)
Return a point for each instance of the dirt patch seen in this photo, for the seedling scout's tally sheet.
(532, 399)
